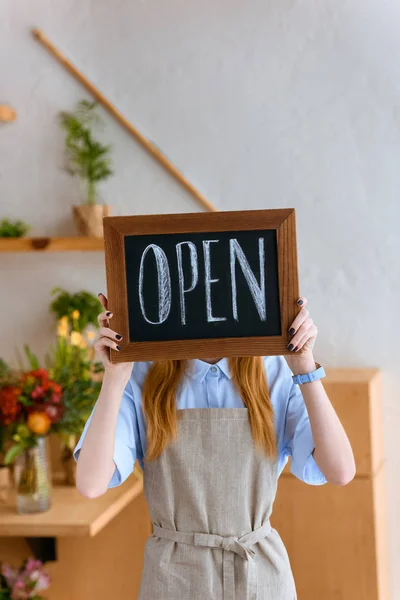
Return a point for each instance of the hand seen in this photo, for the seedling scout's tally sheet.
(110, 339)
(304, 334)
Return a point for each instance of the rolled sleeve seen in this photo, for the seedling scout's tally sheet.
(299, 441)
(127, 442)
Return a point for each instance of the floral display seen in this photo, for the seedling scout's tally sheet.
(25, 582)
(29, 407)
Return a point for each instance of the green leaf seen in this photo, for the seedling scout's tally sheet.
(13, 453)
(32, 359)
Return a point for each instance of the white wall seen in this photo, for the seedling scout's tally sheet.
(262, 103)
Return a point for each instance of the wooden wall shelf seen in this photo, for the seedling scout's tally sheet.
(71, 514)
(48, 244)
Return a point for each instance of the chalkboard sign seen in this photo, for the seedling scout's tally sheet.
(202, 285)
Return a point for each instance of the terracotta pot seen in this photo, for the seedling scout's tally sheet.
(89, 219)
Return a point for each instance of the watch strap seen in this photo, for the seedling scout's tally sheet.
(319, 373)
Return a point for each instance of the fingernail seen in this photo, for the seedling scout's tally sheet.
(99, 294)
(118, 348)
(295, 350)
(108, 314)
(300, 302)
(119, 337)
(292, 331)
(290, 347)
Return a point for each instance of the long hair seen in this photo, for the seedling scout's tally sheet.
(160, 411)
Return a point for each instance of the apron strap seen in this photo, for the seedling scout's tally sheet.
(230, 546)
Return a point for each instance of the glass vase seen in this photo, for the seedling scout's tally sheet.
(32, 474)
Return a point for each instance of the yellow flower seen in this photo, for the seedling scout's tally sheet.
(62, 330)
(91, 336)
(75, 314)
(76, 338)
(39, 423)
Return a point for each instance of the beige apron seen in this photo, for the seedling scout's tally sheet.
(210, 497)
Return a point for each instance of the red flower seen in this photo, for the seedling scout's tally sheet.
(40, 374)
(9, 405)
(57, 389)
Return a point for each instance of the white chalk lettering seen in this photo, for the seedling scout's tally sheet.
(257, 289)
(208, 281)
(181, 277)
(163, 281)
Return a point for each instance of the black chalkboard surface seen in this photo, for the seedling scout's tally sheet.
(202, 285)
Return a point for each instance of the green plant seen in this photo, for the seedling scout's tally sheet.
(81, 308)
(74, 369)
(13, 229)
(87, 157)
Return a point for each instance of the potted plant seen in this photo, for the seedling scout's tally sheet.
(90, 161)
(13, 229)
(80, 309)
(71, 364)
(24, 582)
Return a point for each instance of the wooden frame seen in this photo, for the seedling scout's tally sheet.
(117, 228)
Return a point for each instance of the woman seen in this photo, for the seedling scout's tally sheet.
(210, 475)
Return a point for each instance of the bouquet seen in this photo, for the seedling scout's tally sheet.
(23, 583)
(30, 406)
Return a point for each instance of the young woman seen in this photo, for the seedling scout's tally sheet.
(210, 475)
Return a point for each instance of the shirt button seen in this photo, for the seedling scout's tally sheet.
(214, 369)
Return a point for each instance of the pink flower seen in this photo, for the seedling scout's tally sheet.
(42, 580)
(51, 411)
(38, 392)
(56, 398)
(9, 574)
(32, 565)
(19, 591)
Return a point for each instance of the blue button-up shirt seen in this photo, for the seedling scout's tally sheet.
(211, 386)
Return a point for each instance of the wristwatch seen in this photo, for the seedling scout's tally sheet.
(319, 373)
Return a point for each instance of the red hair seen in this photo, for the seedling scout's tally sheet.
(160, 411)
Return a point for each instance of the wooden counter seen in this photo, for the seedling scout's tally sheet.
(98, 543)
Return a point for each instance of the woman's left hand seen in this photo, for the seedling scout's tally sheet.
(304, 333)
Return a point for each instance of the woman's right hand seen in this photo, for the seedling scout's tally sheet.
(110, 339)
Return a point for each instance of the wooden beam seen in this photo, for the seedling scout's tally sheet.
(122, 120)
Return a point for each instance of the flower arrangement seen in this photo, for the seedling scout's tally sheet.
(30, 406)
(25, 582)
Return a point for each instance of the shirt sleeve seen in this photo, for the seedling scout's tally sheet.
(299, 440)
(127, 441)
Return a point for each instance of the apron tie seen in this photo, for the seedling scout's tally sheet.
(230, 545)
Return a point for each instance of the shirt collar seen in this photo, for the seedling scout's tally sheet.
(198, 369)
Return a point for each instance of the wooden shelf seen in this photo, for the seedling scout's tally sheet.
(71, 514)
(48, 244)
